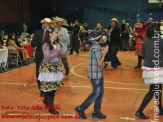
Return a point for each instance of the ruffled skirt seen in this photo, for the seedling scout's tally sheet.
(152, 75)
(50, 76)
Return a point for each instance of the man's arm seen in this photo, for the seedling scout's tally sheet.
(64, 37)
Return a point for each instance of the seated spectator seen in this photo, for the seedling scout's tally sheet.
(29, 39)
(11, 42)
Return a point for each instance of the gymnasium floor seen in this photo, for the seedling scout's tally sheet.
(124, 91)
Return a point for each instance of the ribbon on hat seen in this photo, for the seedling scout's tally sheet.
(47, 29)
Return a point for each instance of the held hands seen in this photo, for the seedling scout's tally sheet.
(105, 50)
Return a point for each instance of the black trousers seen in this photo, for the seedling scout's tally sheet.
(38, 63)
(65, 63)
(113, 50)
(149, 96)
(75, 46)
(139, 60)
(49, 98)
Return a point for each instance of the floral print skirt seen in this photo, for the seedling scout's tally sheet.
(50, 76)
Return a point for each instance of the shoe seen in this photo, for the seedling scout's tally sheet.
(141, 115)
(81, 113)
(77, 54)
(42, 94)
(119, 64)
(67, 73)
(105, 66)
(98, 115)
(160, 112)
(137, 66)
(114, 67)
(53, 111)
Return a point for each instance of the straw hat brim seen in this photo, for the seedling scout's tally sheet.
(48, 20)
(114, 19)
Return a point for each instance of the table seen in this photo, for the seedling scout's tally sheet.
(3, 57)
(29, 49)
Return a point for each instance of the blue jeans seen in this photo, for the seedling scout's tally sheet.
(86, 42)
(96, 95)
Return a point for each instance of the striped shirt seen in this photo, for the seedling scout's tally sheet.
(95, 71)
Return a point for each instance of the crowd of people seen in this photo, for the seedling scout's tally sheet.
(51, 46)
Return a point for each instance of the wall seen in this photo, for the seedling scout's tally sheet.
(121, 9)
(9, 15)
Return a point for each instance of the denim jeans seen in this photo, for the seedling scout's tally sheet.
(96, 95)
(86, 42)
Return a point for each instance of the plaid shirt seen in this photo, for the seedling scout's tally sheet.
(95, 71)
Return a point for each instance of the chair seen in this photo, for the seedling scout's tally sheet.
(13, 56)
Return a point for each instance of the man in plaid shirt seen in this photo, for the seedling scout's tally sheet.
(95, 73)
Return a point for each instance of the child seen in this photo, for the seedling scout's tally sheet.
(50, 73)
(95, 73)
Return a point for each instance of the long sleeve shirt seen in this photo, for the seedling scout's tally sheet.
(51, 54)
(64, 38)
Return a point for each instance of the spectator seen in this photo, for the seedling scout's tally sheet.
(84, 38)
(140, 35)
(22, 51)
(75, 37)
(125, 39)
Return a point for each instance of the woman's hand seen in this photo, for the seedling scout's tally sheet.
(58, 46)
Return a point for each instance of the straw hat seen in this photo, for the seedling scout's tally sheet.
(58, 19)
(114, 19)
(150, 19)
(46, 20)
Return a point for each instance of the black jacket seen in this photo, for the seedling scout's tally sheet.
(83, 36)
(151, 45)
(37, 42)
(115, 39)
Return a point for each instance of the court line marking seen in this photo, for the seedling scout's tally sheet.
(25, 84)
(15, 69)
(72, 70)
(127, 118)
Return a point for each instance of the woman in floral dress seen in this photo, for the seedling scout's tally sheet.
(50, 73)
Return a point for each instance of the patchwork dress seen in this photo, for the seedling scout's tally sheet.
(50, 75)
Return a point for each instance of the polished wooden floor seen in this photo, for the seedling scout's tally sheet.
(124, 91)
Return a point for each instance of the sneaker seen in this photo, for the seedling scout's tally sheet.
(98, 115)
(81, 113)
